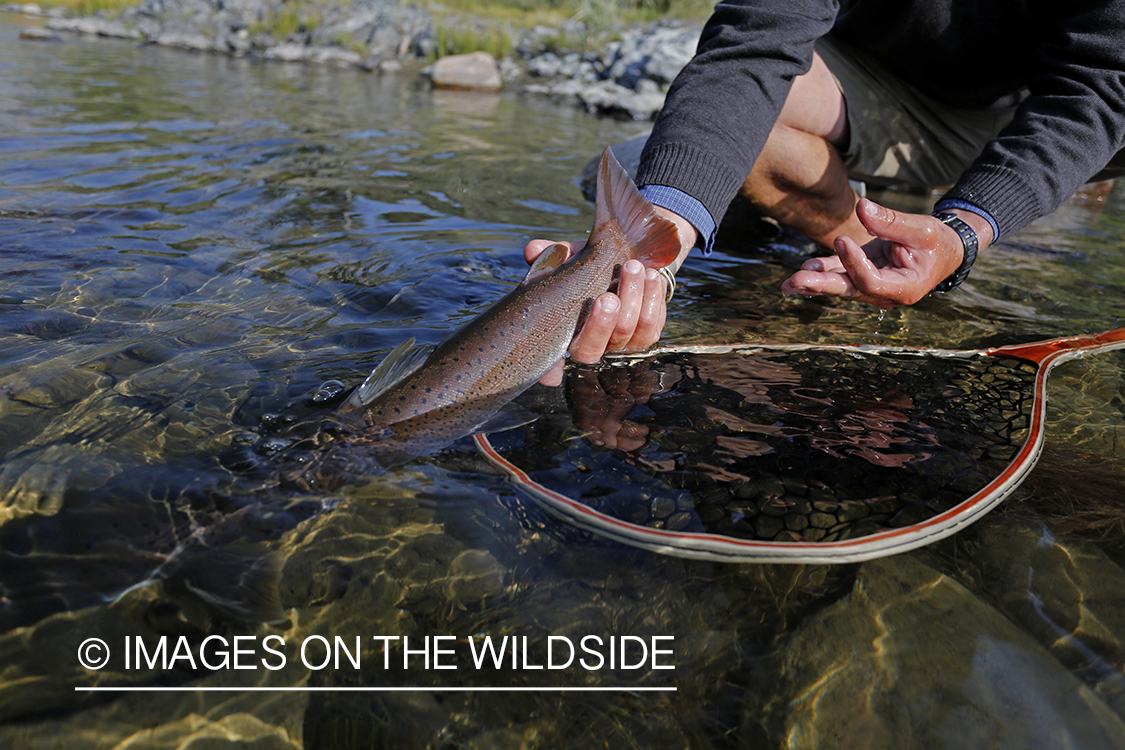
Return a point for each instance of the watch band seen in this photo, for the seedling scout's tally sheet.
(969, 238)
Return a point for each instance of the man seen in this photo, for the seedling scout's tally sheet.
(1016, 103)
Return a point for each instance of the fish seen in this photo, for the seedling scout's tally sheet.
(421, 398)
(208, 544)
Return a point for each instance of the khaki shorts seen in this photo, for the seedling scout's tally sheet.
(900, 136)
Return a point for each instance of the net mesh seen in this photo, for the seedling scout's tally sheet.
(805, 445)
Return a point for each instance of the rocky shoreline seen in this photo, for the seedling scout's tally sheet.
(626, 77)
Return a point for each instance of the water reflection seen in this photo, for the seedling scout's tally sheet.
(192, 245)
(796, 446)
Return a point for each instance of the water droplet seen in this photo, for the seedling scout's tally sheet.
(327, 392)
(270, 446)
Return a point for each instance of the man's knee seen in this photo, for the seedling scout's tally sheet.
(816, 105)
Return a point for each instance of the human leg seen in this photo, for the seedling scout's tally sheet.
(800, 178)
(886, 133)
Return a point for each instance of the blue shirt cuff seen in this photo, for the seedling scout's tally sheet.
(681, 203)
(945, 205)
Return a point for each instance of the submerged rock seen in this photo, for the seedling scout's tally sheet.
(603, 97)
(1066, 593)
(94, 26)
(39, 35)
(913, 659)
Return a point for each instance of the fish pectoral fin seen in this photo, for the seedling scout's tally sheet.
(548, 260)
(622, 209)
(509, 417)
(405, 359)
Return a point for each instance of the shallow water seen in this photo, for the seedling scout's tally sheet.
(193, 245)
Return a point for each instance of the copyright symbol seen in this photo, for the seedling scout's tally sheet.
(93, 654)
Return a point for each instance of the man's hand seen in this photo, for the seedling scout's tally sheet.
(629, 320)
(909, 255)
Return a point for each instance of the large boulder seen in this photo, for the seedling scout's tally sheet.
(476, 71)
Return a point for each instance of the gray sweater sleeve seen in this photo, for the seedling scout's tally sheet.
(721, 108)
(1067, 129)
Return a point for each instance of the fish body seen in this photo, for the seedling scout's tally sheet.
(424, 397)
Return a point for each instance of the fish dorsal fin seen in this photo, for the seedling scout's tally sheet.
(548, 260)
(405, 359)
(621, 208)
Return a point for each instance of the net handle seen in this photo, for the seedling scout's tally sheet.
(1063, 348)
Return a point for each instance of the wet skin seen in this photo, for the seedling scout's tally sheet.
(883, 257)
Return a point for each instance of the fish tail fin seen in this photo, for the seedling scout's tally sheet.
(654, 240)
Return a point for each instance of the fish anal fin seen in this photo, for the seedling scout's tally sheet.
(508, 417)
(548, 260)
(405, 359)
(621, 208)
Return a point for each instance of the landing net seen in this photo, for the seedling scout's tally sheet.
(794, 454)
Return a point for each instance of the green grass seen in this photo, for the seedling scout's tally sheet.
(293, 17)
(491, 25)
(458, 37)
(527, 13)
(89, 7)
(347, 41)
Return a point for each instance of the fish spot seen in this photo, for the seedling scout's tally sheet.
(429, 390)
(398, 410)
(458, 378)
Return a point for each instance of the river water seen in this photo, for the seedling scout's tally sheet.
(194, 246)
